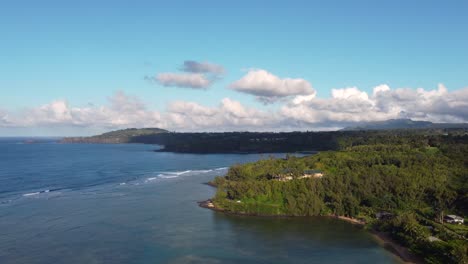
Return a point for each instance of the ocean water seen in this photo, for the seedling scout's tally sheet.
(66, 203)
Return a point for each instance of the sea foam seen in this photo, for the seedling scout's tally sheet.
(35, 193)
(176, 174)
(31, 194)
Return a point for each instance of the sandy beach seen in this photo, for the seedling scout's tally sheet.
(388, 243)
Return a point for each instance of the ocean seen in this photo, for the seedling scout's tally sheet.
(92, 203)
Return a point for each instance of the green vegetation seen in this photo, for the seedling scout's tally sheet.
(243, 142)
(414, 178)
(117, 137)
(264, 142)
(403, 124)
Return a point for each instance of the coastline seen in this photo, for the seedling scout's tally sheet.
(387, 242)
(384, 240)
(392, 246)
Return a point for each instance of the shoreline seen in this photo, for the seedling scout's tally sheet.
(398, 250)
(387, 242)
(384, 240)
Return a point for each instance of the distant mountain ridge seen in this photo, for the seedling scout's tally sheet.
(116, 137)
(403, 124)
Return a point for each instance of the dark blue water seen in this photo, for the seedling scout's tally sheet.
(66, 203)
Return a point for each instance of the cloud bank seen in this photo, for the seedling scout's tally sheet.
(229, 115)
(344, 107)
(122, 110)
(350, 105)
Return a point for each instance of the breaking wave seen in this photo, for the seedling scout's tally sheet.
(176, 174)
(35, 193)
(162, 175)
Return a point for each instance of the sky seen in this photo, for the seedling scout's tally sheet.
(86, 67)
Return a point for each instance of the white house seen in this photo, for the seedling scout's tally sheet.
(454, 219)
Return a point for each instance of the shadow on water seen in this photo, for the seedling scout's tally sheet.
(293, 240)
(322, 230)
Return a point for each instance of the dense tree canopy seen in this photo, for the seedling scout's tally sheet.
(416, 178)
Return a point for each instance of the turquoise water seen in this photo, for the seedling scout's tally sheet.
(63, 203)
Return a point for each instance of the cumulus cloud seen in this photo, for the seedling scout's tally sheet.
(269, 88)
(352, 93)
(183, 80)
(195, 75)
(202, 67)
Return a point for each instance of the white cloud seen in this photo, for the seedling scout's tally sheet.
(269, 88)
(56, 112)
(380, 88)
(303, 98)
(352, 93)
(182, 107)
(195, 75)
(236, 114)
(3, 118)
(183, 80)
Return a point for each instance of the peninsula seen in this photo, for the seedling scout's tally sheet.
(401, 187)
(274, 142)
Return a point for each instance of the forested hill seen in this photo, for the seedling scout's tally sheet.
(403, 185)
(116, 137)
(260, 142)
(404, 124)
(244, 142)
(228, 142)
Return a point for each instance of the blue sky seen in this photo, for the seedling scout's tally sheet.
(85, 51)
